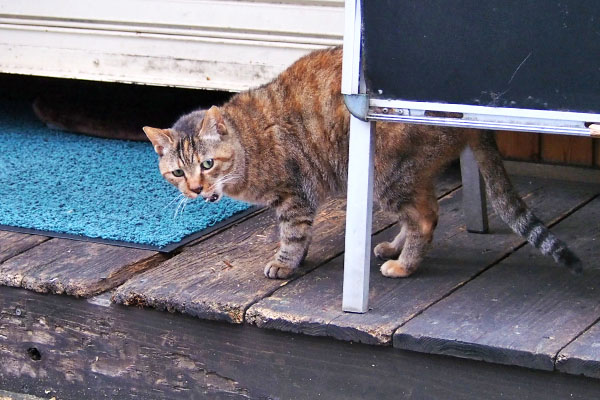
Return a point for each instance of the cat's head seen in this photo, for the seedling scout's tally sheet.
(197, 155)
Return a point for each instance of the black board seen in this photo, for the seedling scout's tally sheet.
(528, 54)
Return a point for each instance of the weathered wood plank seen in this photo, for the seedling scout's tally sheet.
(4, 395)
(75, 267)
(582, 356)
(312, 305)
(94, 352)
(12, 243)
(521, 312)
(559, 172)
(222, 276)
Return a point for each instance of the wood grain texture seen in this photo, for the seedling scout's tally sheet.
(75, 267)
(4, 395)
(582, 356)
(521, 312)
(221, 277)
(567, 149)
(12, 243)
(519, 145)
(75, 350)
(312, 305)
(95, 352)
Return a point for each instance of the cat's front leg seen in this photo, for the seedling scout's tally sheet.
(295, 218)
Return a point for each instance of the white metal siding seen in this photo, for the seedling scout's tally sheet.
(212, 44)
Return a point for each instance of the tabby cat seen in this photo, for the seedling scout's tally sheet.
(285, 145)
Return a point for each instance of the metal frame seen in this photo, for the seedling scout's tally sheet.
(360, 171)
(474, 200)
(482, 117)
(359, 211)
(361, 152)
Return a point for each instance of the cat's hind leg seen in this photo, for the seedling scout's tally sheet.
(420, 220)
(295, 218)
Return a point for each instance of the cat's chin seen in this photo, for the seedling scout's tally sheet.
(191, 196)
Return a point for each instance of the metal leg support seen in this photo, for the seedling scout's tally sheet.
(474, 200)
(359, 213)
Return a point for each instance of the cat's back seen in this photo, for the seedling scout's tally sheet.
(303, 104)
(311, 84)
(319, 69)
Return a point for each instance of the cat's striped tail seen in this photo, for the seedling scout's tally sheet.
(512, 210)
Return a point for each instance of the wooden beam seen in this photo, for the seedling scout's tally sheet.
(519, 145)
(71, 349)
(567, 149)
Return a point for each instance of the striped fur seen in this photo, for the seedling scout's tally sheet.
(285, 145)
(513, 210)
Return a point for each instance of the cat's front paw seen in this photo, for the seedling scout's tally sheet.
(385, 251)
(395, 269)
(277, 270)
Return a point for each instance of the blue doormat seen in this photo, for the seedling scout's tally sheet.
(61, 184)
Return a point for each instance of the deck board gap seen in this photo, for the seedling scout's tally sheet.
(550, 224)
(285, 283)
(46, 238)
(167, 256)
(555, 359)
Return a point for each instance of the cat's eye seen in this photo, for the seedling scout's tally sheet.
(207, 164)
(178, 173)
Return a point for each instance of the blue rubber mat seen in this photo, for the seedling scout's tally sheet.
(67, 185)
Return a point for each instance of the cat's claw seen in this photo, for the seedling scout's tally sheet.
(276, 270)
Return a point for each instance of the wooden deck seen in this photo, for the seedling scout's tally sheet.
(486, 317)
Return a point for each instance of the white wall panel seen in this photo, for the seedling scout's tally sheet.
(227, 45)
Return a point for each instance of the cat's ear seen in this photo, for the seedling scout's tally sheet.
(213, 123)
(160, 138)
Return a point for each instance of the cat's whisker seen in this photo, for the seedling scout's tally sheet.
(176, 208)
(227, 178)
(179, 206)
(179, 196)
(184, 205)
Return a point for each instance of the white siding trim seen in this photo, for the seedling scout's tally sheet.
(226, 45)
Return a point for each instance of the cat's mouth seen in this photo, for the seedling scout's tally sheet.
(213, 198)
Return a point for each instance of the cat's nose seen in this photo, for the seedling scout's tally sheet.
(197, 189)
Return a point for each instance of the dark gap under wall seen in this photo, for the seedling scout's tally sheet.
(106, 109)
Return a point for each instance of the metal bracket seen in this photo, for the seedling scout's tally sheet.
(358, 105)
